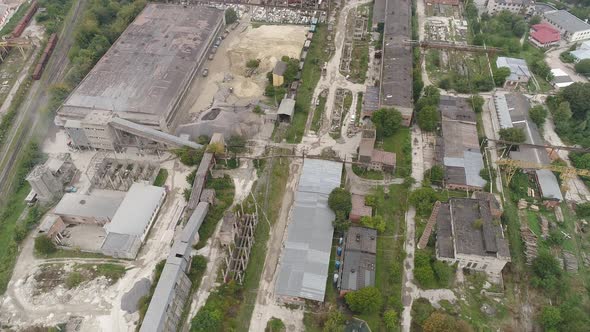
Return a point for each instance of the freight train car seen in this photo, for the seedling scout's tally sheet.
(21, 26)
(45, 57)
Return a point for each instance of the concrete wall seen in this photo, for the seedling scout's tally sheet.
(494, 7)
(489, 264)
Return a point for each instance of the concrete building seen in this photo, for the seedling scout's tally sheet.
(582, 52)
(375, 159)
(96, 209)
(303, 266)
(523, 7)
(278, 73)
(378, 14)
(131, 223)
(370, 101)
(48, 180)
(358, 262)
(359, 208)
(458, 150)
(560, 78)
(396, 65)
(572, 28)
(52, 226)
(165, 309)
(467, 233)
(543, 35)
(134, 103)
(513, 111)
(519, 72)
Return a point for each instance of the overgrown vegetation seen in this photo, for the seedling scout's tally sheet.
(340, 202)
(427, 109)
(310, 75)
(224, 196)
(387, 121)
(161, 178)
(571, 110)
(430, 272)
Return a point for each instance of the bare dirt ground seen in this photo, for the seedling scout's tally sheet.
(98, 302)
(267, 43)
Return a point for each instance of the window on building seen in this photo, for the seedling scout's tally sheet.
(474, 265)
(485, 266)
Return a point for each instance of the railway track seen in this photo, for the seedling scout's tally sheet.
(30, 121)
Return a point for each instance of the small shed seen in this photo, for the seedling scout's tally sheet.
(286, 109)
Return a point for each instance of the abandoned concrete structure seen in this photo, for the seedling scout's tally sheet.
(525, 7)
(131, 223)
(396, 66)
(513, 111)
(120, 102)
(358, 266)
(519, 72)
(470, 233)
(458, 150)
(47, 181)
(173, 289)
(374, 159)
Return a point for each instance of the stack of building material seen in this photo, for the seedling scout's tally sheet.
(530, 242)
(570, 261)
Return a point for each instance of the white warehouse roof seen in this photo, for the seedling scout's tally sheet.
(136, 210)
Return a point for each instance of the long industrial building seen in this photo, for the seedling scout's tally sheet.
(131, 96)
(305, 258)
(396, 70)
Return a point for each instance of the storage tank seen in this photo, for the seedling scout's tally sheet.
(337, 264)
(339, 251)
(335, 277)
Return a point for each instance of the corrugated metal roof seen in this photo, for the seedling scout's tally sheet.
(306, 255)
(135, 212)
(518, 67)
(549, 185)
(287, 107)
(567, 21)
(502, 111)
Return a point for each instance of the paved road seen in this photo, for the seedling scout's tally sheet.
(25, 124)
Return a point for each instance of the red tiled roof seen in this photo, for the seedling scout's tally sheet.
(545, 33)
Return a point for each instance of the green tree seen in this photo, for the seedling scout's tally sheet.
(550, 318)
(536, 19)
(387, 121)
(583, 67)
(547, 273)
(583, 210)
(436, 174)
(189, 156)
(230, 16)
(476, 102)
(207, 319)
(335, 321)
(428, 118)
(364, 300)
(44, 245)
(500, 75)
(423, 270)
(538, 115)
(340, 200)
(562, 112)
(390, 319)
(377, 222)
(423, 199)
(514, 134)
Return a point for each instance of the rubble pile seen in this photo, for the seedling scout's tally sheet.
(530, 242)
(282, 15)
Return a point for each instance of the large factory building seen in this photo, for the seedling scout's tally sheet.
(131, 96)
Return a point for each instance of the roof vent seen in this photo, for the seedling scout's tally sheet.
(82, 202)
(352, 270)
(372, 237)
(358, 237)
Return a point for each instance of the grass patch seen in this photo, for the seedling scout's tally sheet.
(161, 178)
(312, 71)
(367, 173)
(224, 196)
(400, 143)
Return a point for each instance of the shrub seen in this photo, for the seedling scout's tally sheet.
(44, 245)
(340, 200)
(74, 279)
(364, 300)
